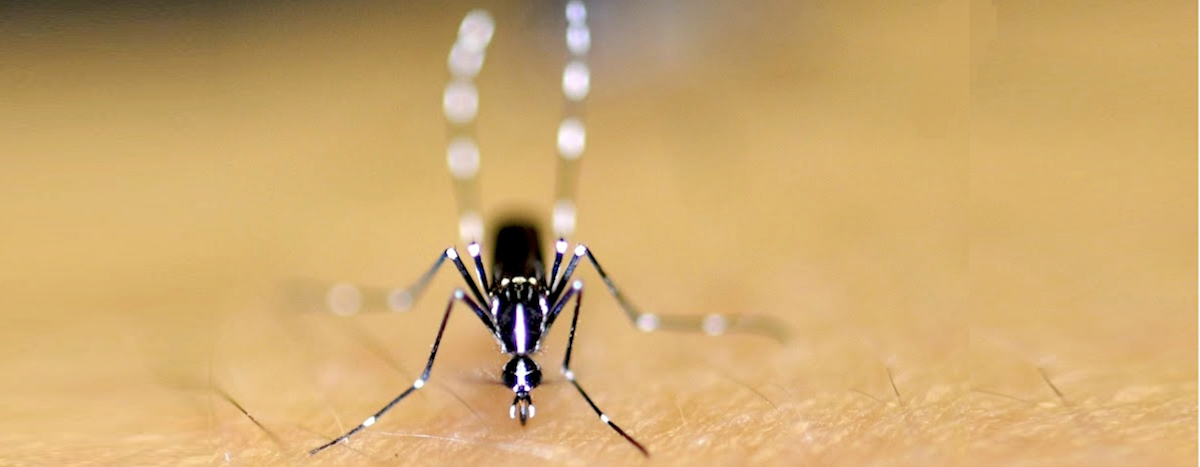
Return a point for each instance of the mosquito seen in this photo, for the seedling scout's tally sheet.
(522, 302)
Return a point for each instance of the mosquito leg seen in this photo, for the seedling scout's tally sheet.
(566, 276)
(572, 132)
(713, 324)
(576, 291)
(560, 247)
(346, 299)
(403, 299)
(462, 269)
(474, 251)
(460, 104)
(458, 295)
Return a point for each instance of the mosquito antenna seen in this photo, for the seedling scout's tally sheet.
(572, 136)
(460, 103)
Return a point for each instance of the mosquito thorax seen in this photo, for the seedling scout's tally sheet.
(519, 307)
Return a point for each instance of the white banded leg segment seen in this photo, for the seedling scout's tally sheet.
(564, 217)
(463, 62)
(571, 141)
(572, 134)
(470, 226)
(712, 324)
(476, 30)
(400, 300)
(580, 250)
(462, 158)
(457, 296)
(579, 39)
(572, 137)
(475, 252)
(460, 103)
(344, 299)
(647, 322)
(452, 254)
(576, 80)
(576, 292)
(560, 247)
(576, 12)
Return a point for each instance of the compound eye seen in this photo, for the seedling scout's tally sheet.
(535, 378)
(510, 378)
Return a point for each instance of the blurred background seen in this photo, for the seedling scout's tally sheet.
(978, 222)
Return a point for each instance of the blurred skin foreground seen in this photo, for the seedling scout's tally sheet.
(1019, 290)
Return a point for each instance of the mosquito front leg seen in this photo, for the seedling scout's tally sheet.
(713, 324)
(403, 299)
(457, 296)
(346, 299)
(560, 247)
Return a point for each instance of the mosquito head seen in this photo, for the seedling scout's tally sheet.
(522, 407)
(522, 374)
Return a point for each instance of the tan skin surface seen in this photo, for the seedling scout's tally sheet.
(988, 205)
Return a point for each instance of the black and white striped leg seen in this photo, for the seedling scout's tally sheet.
(576, 291)
(347, 299)
(403, 299)
(460, 104)
(462, 269)
(560, 247)
(475, 251)
(713, 324)
(458, 295)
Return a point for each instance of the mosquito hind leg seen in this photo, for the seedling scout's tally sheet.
(713, 324)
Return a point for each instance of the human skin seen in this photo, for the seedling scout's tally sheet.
(981, 239)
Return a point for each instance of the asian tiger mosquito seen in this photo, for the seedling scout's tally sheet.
(521, 302)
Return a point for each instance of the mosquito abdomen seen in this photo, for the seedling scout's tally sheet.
(518, 251)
